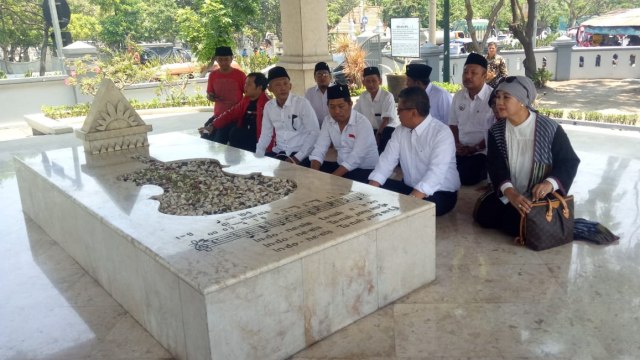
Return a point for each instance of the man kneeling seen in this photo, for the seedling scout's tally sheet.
(351, 135)
(426, 151)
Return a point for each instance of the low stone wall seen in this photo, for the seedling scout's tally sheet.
(19, 97)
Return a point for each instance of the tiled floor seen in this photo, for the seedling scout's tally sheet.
(491, 299)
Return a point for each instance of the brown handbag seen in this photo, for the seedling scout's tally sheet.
(548, 224)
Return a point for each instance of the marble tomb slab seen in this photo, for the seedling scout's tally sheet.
(260, 283)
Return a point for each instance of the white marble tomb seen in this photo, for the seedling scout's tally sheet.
(259, 283)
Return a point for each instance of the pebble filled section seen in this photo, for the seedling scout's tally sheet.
(200, 187)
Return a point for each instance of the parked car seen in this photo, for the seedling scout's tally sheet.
(164, 53)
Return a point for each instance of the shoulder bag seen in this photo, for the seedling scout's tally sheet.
(548, 224)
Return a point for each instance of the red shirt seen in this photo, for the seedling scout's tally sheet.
(236, 115)
(227, 87)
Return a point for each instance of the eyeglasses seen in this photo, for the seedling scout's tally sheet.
(404, 109)
(323, 74)
(510, 79)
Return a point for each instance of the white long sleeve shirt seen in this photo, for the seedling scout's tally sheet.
(427, 155)
(355, 144)
(295, 124)
(383, 105)
(439, 103)
(472, 117)
(318, 101)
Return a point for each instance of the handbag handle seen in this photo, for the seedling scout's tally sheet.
(549, 215)
(565, 209)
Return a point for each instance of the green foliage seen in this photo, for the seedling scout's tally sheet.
(213, 24)
(404, 9)
(65, 111)
(450, 87)
(541, 76)
(266, 20)
(84, 27)
(120, 67)
(158, 21)
(595, 116)
(28, 74)
(2, 75)
(125, 21)
(256, 62)
(552, 113)
(21, 25)
(548, 40)
(336, 9)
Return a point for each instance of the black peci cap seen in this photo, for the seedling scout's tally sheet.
(371, 70)
(476, 59)
(223, 51)
(277, 72)
(338, 91)
(321, 66)
(419, 71)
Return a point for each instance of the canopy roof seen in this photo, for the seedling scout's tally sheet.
(617, 22)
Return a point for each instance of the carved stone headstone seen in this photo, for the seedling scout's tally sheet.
(112, 123)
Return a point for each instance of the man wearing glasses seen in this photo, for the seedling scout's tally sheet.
(425, 149)
(317, 95)
(470, 118)
(293, 119)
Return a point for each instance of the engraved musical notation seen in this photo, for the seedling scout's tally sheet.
(288, 228)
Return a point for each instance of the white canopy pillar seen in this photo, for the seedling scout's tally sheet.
(305, 41)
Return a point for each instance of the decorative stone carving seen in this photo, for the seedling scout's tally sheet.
(112, 123)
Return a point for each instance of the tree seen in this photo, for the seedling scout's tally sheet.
(524, 31)
(84, 27)
(407, 8)
(336, 9)
(158, 21)
(580, 8)
(121, 19)
(479, 46)
(213, 23)
(20, 21)
(266, 20)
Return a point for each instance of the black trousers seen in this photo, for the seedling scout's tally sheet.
(359, 175)
(445, 200)
(490, 212)
(222, 135)
(283, 157)
(243, 138)
(472, 169)
(384, 138)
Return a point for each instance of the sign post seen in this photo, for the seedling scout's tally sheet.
(405, 37)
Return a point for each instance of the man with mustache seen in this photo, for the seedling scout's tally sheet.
(470, 118)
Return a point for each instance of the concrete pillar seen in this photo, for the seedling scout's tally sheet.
(305, 41)
(431, 55)
(563, 46)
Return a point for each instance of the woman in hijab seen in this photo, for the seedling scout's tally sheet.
(528, 157)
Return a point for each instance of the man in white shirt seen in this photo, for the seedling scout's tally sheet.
(317, 95)
(439, 98)
(425, 149)
(293, 119)
(351, 135)
(378, 106)
(470, 119)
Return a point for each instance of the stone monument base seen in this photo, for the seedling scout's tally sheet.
(260, 283)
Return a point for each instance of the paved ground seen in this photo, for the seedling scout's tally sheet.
(608, 96)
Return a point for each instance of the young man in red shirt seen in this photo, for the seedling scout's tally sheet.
(224, 88)
(245, 118)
